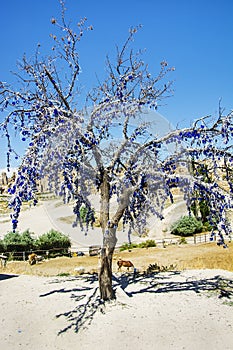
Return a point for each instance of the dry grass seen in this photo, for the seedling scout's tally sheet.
(203, 256)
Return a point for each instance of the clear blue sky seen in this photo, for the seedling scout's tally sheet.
(194, 36)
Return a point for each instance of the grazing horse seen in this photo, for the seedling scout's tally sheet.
(32, 258)
(124, 263)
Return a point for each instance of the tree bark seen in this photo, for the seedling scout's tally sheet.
(109, 242)
(105, 271)
(109, 237)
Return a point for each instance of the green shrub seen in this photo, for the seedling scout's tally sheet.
(146, 244)
(186, 226)
(16, 242)
(128, 246)
(206, 227)
(52, 240)
(27, 240)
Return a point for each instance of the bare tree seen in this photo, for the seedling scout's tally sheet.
(109, 146)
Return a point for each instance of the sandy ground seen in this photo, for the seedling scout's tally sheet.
(166, 311)
(176, 311)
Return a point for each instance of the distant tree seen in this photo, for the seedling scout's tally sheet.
(27, 239)
(109, 147)
(200, 204)
(186, 226)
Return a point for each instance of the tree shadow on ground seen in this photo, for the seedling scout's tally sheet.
(159, 283)
(4, 276)
(87, 299)
(89, 302)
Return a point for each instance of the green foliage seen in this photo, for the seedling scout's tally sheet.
(128, 246)
(52, 239)
(186, 226)
(87, 215)
(2, 247)
(27, 239)
(146, 244)
(206, 227)
(16, 242)
(83, 213)
(182, 240)
(200, 208)
(204, 210)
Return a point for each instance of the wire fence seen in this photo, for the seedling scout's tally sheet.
(195, 239)
(45, 253)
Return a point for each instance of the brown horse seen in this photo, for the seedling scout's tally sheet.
(124, 263)
(32, 258)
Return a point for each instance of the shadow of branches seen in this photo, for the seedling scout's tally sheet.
(89, 302)
(159, 283)
(4, 276)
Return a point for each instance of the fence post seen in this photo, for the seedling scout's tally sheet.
(194, 236)
(24, 256)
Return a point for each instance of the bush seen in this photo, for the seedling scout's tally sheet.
(186, 226)
(52, 240)
(207, 227)
(16, 242)
(128, 246)
(146, 244)
(27, 240)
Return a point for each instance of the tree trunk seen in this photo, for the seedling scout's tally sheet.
(109, 242)
(109, 236)
(105, 271)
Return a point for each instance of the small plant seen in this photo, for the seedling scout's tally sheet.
(153, 268)
(182, 240)
(228, 303)
(156, 268)
(63, 274)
